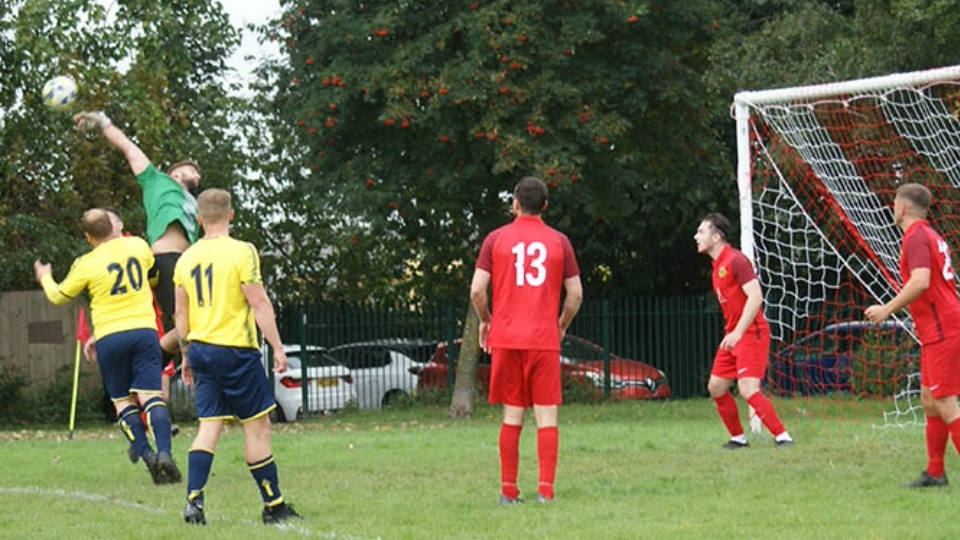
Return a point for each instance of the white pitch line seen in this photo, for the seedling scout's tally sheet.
(79, 495)
(291, 527)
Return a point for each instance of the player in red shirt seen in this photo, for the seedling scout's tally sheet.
(744, 352)
(529, 266)
(930, 290)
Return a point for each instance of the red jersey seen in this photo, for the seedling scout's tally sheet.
(731, 271)
(528, 262)
(936, 313)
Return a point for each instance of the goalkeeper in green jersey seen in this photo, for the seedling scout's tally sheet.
(171, 208)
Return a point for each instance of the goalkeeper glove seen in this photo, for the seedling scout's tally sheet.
(87, 121)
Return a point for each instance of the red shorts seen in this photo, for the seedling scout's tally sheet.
(940, 367)
(169, 370)
(749, 359)
(522, 378)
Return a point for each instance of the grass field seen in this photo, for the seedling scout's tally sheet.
(629, 470)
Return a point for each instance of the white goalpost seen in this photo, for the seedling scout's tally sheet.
(817, 170)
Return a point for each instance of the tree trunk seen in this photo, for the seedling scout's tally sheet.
(465, 386)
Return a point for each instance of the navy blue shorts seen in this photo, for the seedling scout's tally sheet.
(229, 382)
(130, 362)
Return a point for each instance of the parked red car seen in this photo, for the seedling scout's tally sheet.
(583, 365)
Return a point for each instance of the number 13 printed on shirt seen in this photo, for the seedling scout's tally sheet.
(538, 254)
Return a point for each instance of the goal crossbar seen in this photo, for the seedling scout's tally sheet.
(817, 168)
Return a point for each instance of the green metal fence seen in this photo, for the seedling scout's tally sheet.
(676, 335)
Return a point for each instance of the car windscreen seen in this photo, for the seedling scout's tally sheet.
(577, 351)
(419, 352)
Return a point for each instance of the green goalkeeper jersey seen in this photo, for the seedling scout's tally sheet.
(167, 202)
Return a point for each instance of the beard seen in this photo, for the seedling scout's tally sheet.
(192, 187)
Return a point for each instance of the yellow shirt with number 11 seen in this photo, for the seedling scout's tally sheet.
(212, 272)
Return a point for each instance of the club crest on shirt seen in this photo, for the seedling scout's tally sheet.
(722, 272)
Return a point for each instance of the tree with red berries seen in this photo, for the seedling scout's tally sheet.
(413, 122)
(418, 118)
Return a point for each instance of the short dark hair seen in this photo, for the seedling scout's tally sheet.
(720, 223)
(531, 193)
(185, 163)
(96, 223)
(917, 195)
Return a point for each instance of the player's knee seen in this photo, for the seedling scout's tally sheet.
(127, 412)
(748, 387)
(153, 402)
(718, 387)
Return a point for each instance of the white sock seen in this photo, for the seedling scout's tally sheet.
(784, 437)
(742, 439)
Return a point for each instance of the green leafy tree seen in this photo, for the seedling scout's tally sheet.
(410, 124)
(156, 67)
(781, 43)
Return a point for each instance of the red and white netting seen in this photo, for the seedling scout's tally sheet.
(818, 170)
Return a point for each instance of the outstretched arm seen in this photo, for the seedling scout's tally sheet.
(137, 160)
(44, 275)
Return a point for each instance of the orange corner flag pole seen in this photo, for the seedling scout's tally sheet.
(83, 334)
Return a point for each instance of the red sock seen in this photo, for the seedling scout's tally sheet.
(727, 407)
(937, 432)
(548, 447)
(766, 413)
(509, 459)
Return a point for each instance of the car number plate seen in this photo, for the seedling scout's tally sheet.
(328, 382)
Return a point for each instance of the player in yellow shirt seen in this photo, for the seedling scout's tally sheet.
(115, 273)
(220, 303)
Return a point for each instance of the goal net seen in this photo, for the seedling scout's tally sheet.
(818, 167)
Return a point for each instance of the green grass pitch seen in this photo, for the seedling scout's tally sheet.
(627, 470)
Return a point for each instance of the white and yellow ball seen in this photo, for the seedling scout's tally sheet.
(59, 92)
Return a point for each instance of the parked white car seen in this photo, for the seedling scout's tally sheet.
(330, 385)
(385, 373)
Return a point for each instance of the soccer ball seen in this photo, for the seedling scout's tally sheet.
(59, 92)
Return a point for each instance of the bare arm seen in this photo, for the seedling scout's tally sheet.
(481, 303)
(478, 294)
(571, 305)
(137, 160)
(181, 318)
(751, 307)
(750, 310)
(918, 283)
(267, 322)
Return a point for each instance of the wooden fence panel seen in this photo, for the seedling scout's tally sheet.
(38, 339)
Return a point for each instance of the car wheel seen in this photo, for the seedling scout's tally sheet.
(277, 416)
(396, 399)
